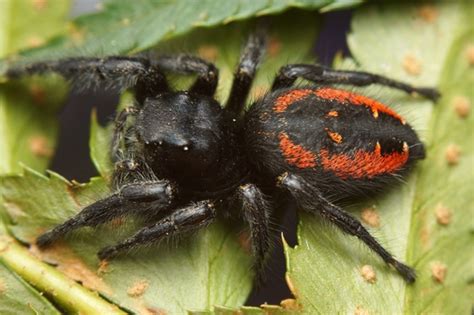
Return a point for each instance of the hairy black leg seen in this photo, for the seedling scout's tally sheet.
(245, 73)
(310, 199)
(119, 132)
(115, 71)
(160, 193)
(180, 221)
(319, 74)
(207, 73)
(256, 212)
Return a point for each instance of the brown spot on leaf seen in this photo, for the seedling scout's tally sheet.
(39, 4)
(290, 304)
(370, 217)
(35, 41)
(443, 214)
(470, 54)
(438, 271)
(428, 13)
(138, 288)
(452, 154)
(274, 46)
(71, 265)
(461, 106)
(38, 94)
(368, 273)
(412, 64)
(208, 52)
(103, 267)
(360, 311)
(40, 146)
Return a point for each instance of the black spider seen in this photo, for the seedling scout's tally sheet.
(183, 156)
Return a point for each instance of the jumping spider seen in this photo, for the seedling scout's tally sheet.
(185, 157)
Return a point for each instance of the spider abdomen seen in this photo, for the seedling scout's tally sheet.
(337, 135)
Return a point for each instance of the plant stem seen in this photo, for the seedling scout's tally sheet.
(47, 279)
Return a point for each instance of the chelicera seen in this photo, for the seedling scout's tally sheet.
(180, 157)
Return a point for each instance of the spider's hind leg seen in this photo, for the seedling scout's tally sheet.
(309, 198)
(327, 76)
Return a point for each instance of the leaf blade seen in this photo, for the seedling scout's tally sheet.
(381, 39)
(122, 27)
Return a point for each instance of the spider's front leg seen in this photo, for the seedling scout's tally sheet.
(182, 220)
(207, 73)
(309, 198)
(324, 75)
(140, 73)
(158, 195)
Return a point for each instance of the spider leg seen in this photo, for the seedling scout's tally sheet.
(182, 220)
(310, 199)
(319, 74)
(245, 72)
(114, 71)
(160, 193)
(256, 211)
(207, 73)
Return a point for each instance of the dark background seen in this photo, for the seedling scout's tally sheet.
(72, 154)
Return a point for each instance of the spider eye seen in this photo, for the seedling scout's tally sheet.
(171, 145)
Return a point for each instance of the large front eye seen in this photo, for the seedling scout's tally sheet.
(171, 146)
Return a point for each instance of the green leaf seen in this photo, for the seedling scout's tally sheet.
(27, 124)
(424, 45)
(66, 292)
(17, 296)
(206, 269)
(123, 26)
(27, 127)
(195, 274)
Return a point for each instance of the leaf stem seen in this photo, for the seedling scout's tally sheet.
(47, 279)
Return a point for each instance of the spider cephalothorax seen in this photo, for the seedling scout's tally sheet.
(179, 155)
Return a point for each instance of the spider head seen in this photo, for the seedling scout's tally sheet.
(181, 133)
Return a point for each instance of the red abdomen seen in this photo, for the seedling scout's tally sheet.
(334, 134)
